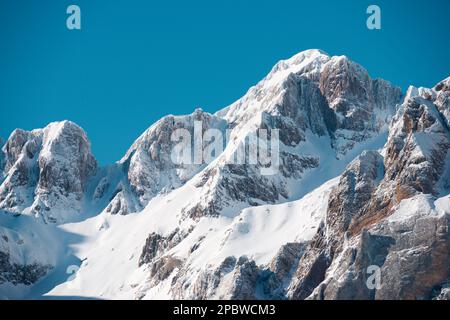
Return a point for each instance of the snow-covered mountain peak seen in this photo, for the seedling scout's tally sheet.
(308, 94)
(160, 131)
(199, 230)
(312, 59)
(312, 91)
(47, 171)
(148, 167)
(59, 136)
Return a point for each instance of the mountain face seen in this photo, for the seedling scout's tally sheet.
(47, 171)
(390, 211)
(296, 99)
(147, 166)
(361, 183)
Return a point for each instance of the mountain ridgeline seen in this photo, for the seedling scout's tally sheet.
(362, 186)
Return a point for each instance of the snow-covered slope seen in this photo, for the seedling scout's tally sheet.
(125, 240)
(147, 227)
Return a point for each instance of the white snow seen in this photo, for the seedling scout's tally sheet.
(112, 245)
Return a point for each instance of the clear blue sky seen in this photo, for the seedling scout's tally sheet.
(137, 60)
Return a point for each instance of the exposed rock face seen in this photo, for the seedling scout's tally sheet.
(123, 201)
(302, 106)
(20, 170)
(66, 164)
(207, 282)
(244, 278)
(353, 94)
(156, 245)
(411, 252)
(442, 99)
(240, 278)
(235, 183)
(386, 215)
(310, 270)
(150, 155)
(362, 105)
(20, 274)
(273, 282)
(311, 92)
(416, 152)
(335, 97)
(234, 279)
(355, 189)
(286, 260)
(47, 171)
(415, 159)
(163, 267)
(148, 165)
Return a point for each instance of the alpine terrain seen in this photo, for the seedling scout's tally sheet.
(358, 206)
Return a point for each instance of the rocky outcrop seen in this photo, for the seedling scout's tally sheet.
(16, 274)
(156, 245)
(122, 201)
(47, 171)
(356, 187)
(233, 279)
(385, 217)
(286, 260)
(239, 278)
(363, 105)
(163, 267)
(410, 251)
(148, 165)
(415, 159)
(310, 271)
(65, 166)
(21, 170)
(442, 99)
(353, 94)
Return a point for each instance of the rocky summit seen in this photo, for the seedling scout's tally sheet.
(357, 208)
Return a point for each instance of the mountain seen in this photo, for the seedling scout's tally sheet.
(47, 171)
(361, 181)
(147, 166)
(390, 209)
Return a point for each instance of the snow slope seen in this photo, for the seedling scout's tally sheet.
(112, 244)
